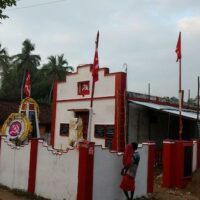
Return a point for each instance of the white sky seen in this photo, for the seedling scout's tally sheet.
(141, 33)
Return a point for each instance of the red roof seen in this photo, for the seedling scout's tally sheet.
(8, 107)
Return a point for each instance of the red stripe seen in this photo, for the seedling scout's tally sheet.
(150, 175)
(86, 99)
(198, 154)
(85, 171)
(32, 165)
(53, 121)
(168, 166)
(0, 142)
(119, 137)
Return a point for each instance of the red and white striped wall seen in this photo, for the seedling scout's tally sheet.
(78, 174)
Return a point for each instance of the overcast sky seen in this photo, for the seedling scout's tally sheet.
(141, 33)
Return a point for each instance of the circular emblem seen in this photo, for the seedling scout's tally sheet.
(15, 128)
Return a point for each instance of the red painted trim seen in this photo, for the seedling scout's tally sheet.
(151, 161)
(86, 99)
(157, 101)
(168, 150)
(106, 71)
(32, 165)
(0, 142)
(85, 171)
(198, 154)
(53, 119)
(119, 135)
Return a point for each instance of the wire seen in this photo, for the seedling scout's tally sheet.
(36, 5)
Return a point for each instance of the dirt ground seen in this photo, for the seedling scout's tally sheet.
(8, 195)
(191, 192)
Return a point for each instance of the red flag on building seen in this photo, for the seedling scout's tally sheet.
(27, 84)
(95, 67)
(178, 48)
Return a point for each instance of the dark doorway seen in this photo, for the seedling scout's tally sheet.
(84, 115)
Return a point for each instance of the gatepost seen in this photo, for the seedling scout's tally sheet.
(85, 171)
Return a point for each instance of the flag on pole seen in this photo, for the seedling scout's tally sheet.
(95, 67)
(178, 48)
(27, 84)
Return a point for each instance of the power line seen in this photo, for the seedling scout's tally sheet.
(36, 5)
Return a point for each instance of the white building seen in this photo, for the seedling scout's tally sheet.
(72, 99)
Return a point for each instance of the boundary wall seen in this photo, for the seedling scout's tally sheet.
(88, 172)
(180, 160)
(107, 177)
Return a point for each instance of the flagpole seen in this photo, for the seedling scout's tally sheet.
(95, 69)
(91, 112)
(180, 92)
(180, 101)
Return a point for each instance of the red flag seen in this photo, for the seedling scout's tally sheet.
(27, 84)
(178, 48)
(95, 67)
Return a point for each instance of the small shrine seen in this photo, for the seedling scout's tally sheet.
(21, 126)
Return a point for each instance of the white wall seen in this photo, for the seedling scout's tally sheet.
(57, 175)
(194, 159)
(68, 90)
(14, 166)
(107, 177)
(104, 109)
(138, 123)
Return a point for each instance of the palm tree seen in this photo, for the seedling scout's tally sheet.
(4, 63)
(56, 69)
(3, 58)
(26, 61)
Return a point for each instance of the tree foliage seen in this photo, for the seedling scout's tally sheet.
(3, 5)
(13, 69)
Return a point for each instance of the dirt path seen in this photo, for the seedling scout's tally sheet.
(8, 195)
(191, 192)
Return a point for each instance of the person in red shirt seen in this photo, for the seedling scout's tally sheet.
(131, 160)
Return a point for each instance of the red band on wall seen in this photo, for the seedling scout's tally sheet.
(0, 142)
(198, 154)
(151, 161)
(53, 121)
(85, 171)
(32, 165)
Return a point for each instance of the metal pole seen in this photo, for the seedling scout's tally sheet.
(198, 101)
(126, 107)
(149, 87)
(180, 102)
(188, 97)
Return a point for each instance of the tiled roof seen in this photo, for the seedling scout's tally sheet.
(8, 107)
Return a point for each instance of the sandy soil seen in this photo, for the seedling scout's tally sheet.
(191, 192)
(8, 195)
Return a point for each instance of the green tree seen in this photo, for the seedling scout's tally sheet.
(56, 70)
(3, 5)
(26, 61)
(4, 59)
(4, 65)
